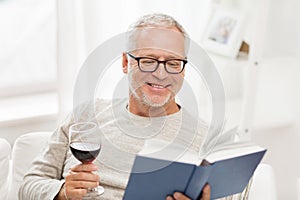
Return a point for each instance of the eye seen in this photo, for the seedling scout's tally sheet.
(174, 63)
(146, 61)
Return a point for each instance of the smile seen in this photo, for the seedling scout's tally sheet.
(157, 86)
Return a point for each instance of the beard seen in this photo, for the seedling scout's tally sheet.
(151, 101)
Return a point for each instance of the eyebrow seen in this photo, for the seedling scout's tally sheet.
(155, 56)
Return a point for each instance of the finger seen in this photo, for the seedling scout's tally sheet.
(75, 193)
(77, 189)
(169, 198)
(84, 168)
(83, 176)
(180, 196)
(83, 184)
(81, 180)
(206, 193)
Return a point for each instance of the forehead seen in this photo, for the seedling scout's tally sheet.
(164, 39)
(157, 53)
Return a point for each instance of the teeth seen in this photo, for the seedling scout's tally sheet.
(157, 86)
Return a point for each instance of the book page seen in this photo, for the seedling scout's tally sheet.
(159, 149)
(231, 151)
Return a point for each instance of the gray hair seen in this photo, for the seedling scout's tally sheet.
(155, 20)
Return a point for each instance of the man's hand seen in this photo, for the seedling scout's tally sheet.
(180, 196)
(79, 179)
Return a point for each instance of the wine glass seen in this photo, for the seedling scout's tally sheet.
(85, 145)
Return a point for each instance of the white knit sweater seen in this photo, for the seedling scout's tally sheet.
(123, 136)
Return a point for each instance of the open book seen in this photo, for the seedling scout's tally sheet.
(227, 169)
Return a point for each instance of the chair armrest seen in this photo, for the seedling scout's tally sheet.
(26, 148)
(5, 151)
(263, 185)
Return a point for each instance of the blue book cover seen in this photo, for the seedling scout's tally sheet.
(153, 178)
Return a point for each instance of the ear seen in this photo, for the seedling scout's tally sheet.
(124, 63)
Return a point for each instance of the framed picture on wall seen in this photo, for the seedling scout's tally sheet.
(224, 32)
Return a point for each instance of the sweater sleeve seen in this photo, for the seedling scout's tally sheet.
(44, 179)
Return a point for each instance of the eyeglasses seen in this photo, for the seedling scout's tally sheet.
(172, 66)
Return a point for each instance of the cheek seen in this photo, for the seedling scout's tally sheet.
(136, 77)
(177, 83)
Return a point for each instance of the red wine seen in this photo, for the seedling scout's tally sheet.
(85, 152)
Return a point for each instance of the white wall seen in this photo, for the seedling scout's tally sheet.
(276, 121)
(279, 96)
(283, 28)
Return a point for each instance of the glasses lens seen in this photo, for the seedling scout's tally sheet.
(174, 66)
(148, 64)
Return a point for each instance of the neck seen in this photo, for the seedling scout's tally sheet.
(138, 108)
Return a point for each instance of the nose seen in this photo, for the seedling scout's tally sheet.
(160, 72)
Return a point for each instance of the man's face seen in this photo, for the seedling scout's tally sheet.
(158, 88)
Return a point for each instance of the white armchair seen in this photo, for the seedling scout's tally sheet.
(25, 149)
(28, 146)
(264, 184)
(5, 150)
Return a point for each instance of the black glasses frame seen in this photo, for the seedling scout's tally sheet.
(158, 63)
